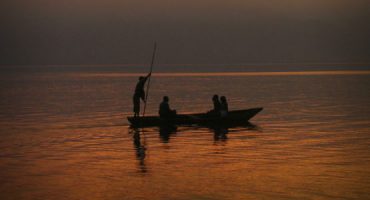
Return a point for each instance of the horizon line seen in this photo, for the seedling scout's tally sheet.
(277, 64)
(205, 74)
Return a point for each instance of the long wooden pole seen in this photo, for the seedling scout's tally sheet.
(151, 69)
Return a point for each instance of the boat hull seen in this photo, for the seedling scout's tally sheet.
(233, 118)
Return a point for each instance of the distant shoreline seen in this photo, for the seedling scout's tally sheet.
(205, 74)
(162, 70)
(248, 65)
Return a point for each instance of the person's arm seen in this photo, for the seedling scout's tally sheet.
(147, 76)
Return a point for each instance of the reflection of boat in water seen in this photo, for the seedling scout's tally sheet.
(166, 131)
(233, 118)
(140, 149)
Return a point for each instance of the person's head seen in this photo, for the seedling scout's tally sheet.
(223, 99)
(166, 99)
(215, 97)
(141, 78)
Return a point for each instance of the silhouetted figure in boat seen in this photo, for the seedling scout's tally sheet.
(224, 107)
(165, 110)
(139, 94)
(216, 103)
(216, 106)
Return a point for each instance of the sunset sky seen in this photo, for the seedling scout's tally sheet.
(187, 32)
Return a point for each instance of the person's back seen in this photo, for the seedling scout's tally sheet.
(215, 112)
(224, 107)
(165, 110)
(139, 89)
(216, 103)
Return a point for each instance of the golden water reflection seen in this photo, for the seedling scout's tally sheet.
(67, 137)
(187, 163)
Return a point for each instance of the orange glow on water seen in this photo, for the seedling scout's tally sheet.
(66, 137)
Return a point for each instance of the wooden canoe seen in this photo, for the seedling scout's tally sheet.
(207, 119)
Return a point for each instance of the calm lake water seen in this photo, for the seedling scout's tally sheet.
(64, 135)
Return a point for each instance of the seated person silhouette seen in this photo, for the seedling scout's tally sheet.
(165, 110)
(224, 108)
(216, 106)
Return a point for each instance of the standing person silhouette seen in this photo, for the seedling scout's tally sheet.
(139, 94)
